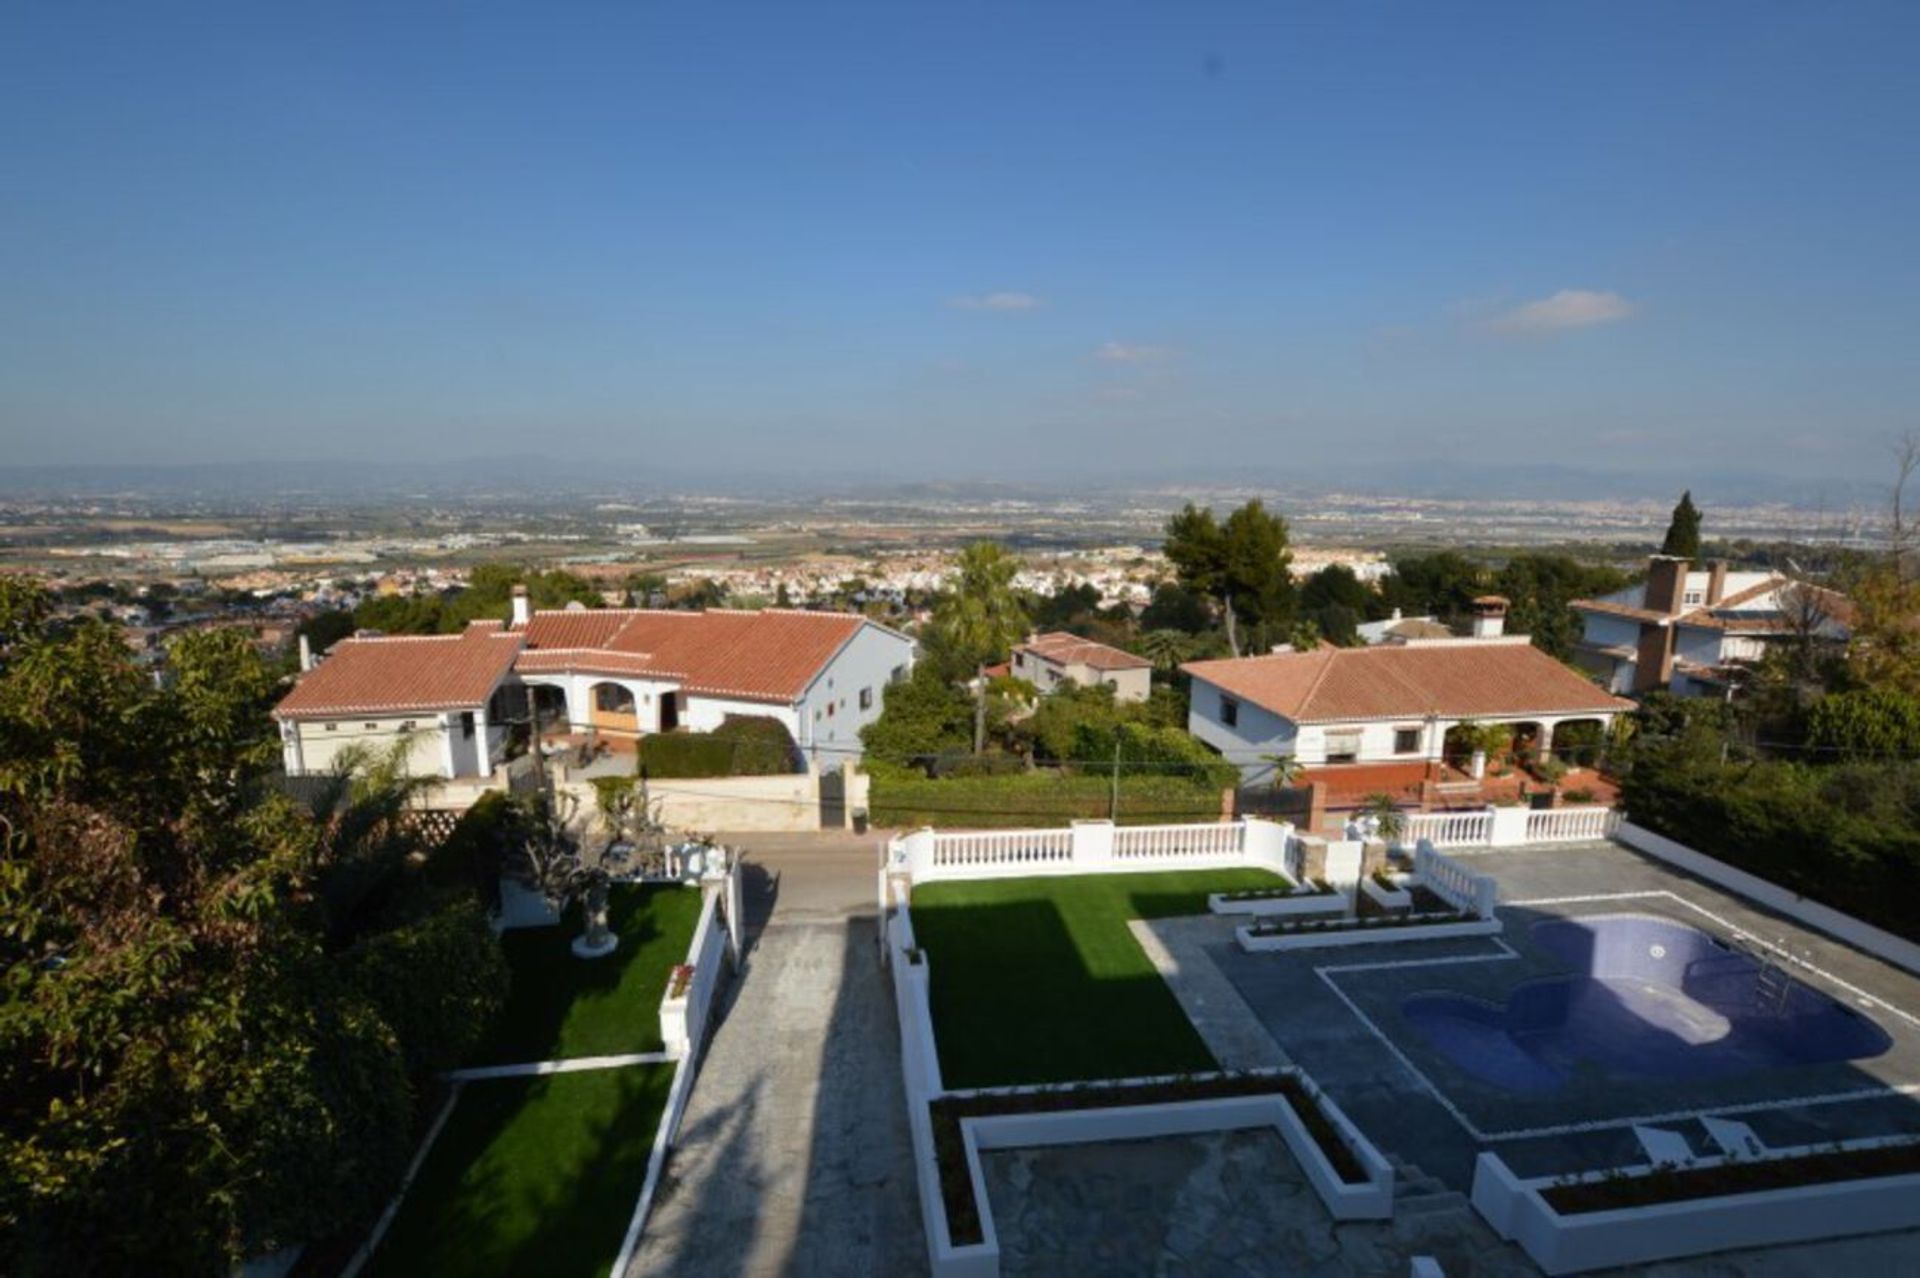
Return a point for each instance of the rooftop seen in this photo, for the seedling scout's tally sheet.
(393, 674)
(1071, 650)
(1460, 679)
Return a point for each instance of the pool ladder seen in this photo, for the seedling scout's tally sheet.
(1772, 985)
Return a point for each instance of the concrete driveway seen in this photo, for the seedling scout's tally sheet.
(794, 1155)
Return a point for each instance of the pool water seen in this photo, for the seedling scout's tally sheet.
(1650, 999)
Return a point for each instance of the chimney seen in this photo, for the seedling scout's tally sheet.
(1489, 616)
(306, 655)
(1716, 581)
(522, 609)
(1666, 584)
(1653, 656)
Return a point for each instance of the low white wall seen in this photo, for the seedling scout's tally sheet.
(1875, 941)
(787, 803)
(1454, 883)
(683, 1020)
(1399, 898)
(1333, 937)
(1664, 1231)
(1094, 847)
(1303, 902)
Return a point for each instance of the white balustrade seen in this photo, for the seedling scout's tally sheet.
(1450, 829)
(1176, 842)
(1011, 848)
(1571, 825)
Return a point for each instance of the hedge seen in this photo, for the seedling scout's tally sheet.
(904, 799)
(742, 746)
(1847, 836)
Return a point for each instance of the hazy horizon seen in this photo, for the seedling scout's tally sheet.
(1652, 246)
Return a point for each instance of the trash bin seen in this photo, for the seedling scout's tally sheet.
(859, 820)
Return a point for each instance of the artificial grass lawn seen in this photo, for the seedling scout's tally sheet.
(531, 1176)
(560, 1006)
(1039, 980)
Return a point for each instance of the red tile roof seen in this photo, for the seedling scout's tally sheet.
(1454, 679)
(1066, 649)
(769, 655)
(398, 673)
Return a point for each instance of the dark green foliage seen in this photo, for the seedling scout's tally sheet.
(1865, 723)
(906, 799)
(1241, 564)
(1683, 530)
(1441, 584)
(1845, 835)
(437, 983)
(742, 746)
(1174, 607)
(324, 629)
(1334, 585)
(1539, 589)
(924, 716)
(488, 595)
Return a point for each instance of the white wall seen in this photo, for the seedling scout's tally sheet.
(578, 690)
(320, 747)
(1258, 731)
(830, 715)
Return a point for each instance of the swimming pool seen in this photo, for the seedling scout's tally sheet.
(1650, 999)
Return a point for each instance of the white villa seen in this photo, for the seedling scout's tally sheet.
(615, 673)
(1049, 660)
(1384, 705)
(1693, 631)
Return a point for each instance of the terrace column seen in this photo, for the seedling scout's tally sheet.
(1543, 744)
(449, 725)
(484, 751)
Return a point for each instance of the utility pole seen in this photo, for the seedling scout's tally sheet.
(1113, 791)
(980, 710)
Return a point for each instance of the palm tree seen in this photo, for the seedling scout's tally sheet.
(1165, 648)
(364, 813)
(1388, 821)
(1286, 771)
(981, 619)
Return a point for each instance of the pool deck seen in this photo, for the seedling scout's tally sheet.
(1337, 1013)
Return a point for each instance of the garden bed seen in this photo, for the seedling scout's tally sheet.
(1316, 897)
(1306, 934)
(1680, 1184)
(956, 1174)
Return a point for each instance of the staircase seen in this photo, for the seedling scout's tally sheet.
(1772, 984)
(1415, 1193)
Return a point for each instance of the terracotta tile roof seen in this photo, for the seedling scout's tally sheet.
(1453, 679)
(769, 655)
(398, 673)
(1729, 615)
(1066, 649)
(1613, 609)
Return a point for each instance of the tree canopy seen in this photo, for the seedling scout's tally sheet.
(1683, 530)
(1241, 565)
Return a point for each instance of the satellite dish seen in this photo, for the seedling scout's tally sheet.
(574, 605)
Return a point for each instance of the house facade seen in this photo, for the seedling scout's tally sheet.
(1696, 631)
(1048, 660)
(446, 696)
(1392, 704)
(626, 672)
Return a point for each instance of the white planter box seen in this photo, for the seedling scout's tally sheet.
(1330, 938)
(1394, 898)
(1296, 903)
(1694, 1227)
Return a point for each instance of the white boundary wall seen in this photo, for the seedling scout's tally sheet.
(1879, 943)
(1664, 1231)
(1508, 827)
(1094, 847)
(920, 1074)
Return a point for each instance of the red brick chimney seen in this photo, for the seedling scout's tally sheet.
(1716, 581)
(1666, 584)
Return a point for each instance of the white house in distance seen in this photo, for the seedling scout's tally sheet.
(1692, 631)
(445, 694)
(1048, 660)
(1392, 704)
(625, 672)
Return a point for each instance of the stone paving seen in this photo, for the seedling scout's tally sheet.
(1177, 948)
(794, 1156)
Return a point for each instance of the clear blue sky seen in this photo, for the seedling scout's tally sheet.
(962, 238)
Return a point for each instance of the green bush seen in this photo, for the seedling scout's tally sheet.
(437, 984)
(902, 798)
(742, 746)
(1845, 835)
(1870, 723)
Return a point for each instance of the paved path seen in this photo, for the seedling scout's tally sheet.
(794, 1156)
(1177, 948)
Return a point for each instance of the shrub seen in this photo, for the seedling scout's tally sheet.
(1582, 795)
(437, 984)
(742, 746)
(902, 798)
(1869, 723)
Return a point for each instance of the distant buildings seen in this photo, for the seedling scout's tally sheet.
(1696, 631)
(1049, 660)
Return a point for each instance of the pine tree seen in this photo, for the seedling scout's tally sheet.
(1683, 532)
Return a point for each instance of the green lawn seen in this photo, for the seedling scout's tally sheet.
(531, 1176)
(1039, 980)
(560, 1006)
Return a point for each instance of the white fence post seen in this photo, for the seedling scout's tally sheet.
(1092, 845)
(1509, 827)
(1266, 844)
(1343, 862)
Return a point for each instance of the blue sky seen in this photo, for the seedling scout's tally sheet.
(962, 239)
